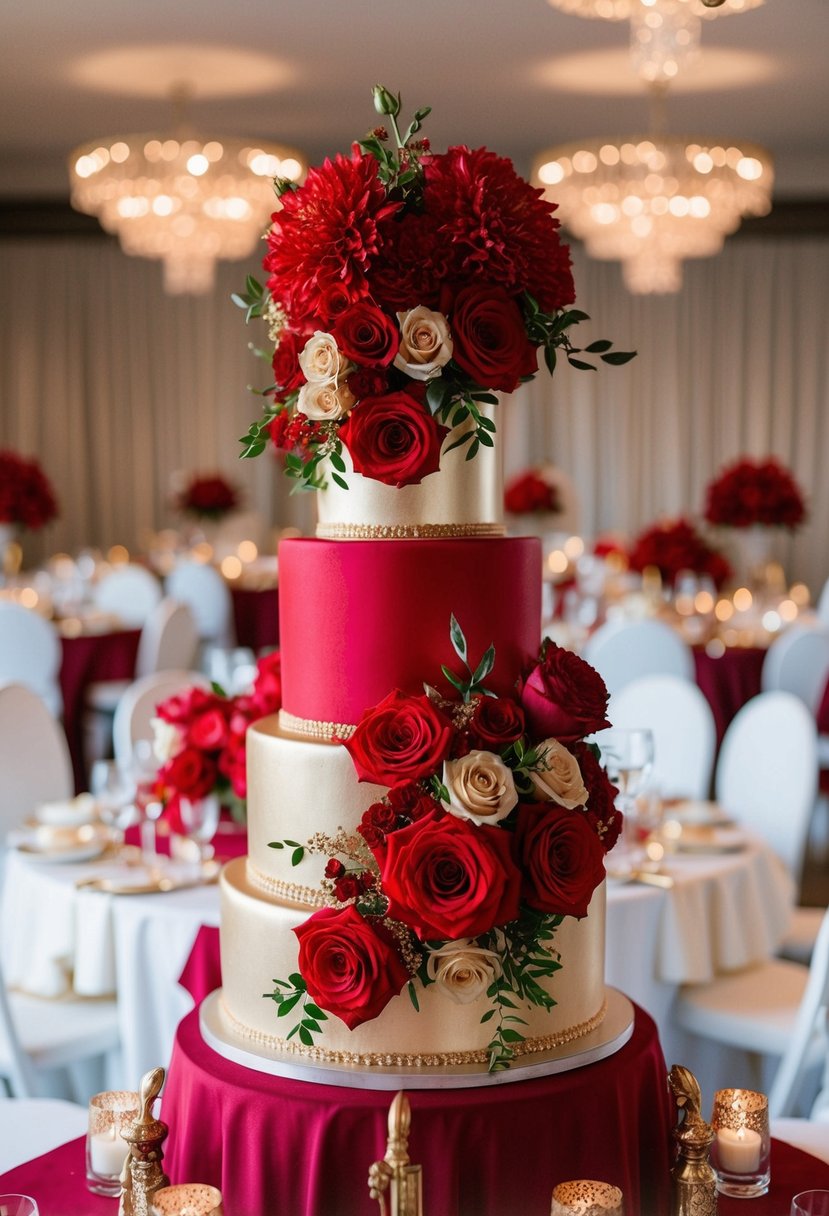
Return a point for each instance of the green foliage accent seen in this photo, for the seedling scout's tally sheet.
(298, 853)
(549, 330)
(254, 299)
(472, 686)
(286, 995)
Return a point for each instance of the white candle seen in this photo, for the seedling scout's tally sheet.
(107, 1153)
(738, 1150)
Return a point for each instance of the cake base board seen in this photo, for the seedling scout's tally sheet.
(615, 1030)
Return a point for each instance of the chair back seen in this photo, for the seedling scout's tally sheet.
(823, 604)
(205, 591)
(811, 1016)
(15, 1065)
(767, 772)
(34, 756)
(169, 640)
(682, 724)
(30, 653)
(623, 651)
(798, 662)
(130, 592)
(136, 708)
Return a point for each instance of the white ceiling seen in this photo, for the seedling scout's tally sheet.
(516, 75)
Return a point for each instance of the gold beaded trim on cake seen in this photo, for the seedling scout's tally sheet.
(440, 1059)
(314, 729)
(293, 891)
(406, 531)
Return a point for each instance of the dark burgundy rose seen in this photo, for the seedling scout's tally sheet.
(400, 740)
(287, 374)
(350, 965)
(347, 887)
(496, 723)
(448, 878)
(383, 817)
(561, 858)
(334, 868)
(413, 801)
(368, 382)
(600, 809)
(563, 697)
(373, 837)
(393, 439)
(367, 335)
(490, 340)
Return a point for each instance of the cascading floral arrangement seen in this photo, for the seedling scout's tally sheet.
(755, 492)
(26, 495)
(199, 741)
(494, 828)
(405, 288)
(531, 493)
(675, 545)
(208, 496)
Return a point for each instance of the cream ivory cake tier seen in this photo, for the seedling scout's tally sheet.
(258, 944)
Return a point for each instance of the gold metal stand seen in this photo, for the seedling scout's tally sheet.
(395, 1173)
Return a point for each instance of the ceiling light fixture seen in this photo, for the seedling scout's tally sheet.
(182, 198)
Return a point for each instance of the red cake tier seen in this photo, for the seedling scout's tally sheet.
(360, 618)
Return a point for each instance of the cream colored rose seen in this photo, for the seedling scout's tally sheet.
(558, 777)
(481, 787)
(425, 343)
(167, 740)
(321, 361)
(327, 400)
(463, 971)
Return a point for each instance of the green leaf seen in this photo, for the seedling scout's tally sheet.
(550, 358)
(297, 856)
(413, 996)
(473, 449)
(314, 1011)
(485, 666)
(436, 393)
(460, 415)
(512, 1036)
(453, 679)
(464, 438)
(297, 980)
(457, 638)
(305, 1036)
(618, 357)
(311, 1025)
(490, 1013)
(293, 843)
(338, 462)
(340, 481)
(580, 364)
(276, 844)
(601, 344)
(486, 423)
(287, 1005)
(485, 439)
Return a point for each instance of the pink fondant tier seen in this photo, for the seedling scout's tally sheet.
(360, 618)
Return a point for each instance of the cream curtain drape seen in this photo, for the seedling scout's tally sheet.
(117, 387)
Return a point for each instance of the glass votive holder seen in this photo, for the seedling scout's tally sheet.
(18, 1205)
(740, 1153)
(106, 1150)
(582, 1197)
(810, 1203)
(186, 1199)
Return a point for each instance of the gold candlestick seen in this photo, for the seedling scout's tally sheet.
(694, 1190)
(142, 1175)
(395, 1173)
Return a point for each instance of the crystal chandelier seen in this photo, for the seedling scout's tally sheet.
(651, 201)
(182, 199)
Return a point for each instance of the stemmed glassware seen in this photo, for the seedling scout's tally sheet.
(114, 789)
(810, 1203)
(200, 818)
(144, 767)
(627, 758)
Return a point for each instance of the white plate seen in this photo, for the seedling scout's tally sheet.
(87, 851)
(701, 838)
(697, 812)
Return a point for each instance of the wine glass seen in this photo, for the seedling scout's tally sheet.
(627, 758)
(200, 818)
(114, 789)
(144, 767)
(18, 1205)
(810, 1203)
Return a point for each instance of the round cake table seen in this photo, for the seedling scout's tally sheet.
(274, 1144)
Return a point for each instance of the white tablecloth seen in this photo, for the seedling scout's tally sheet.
(723, 912)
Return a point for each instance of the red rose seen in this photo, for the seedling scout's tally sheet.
(490, 340)
(448, 878)
(412, 801)
(563, 697)
(393, 439)
(496, 722)
(350, 966)
(600, 810)
(208, 731)
(266, 696)
(190, 772)
(368, 382)
(400, 740)
(334, 868)
(367, 335)
(287, 374)
(347, 887)
(561, 858)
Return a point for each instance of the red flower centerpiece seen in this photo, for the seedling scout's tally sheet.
(405, 288)
(530, 493)
(753, 493)
(208, 496)
(26, 496)
(494, 827)
(675, 545)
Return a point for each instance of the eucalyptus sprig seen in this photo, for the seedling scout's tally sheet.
(310, 1014)
(473, 686)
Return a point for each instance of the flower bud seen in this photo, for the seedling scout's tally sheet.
(384, 101)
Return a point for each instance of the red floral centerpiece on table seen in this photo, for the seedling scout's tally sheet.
(405, 288)
(200, 741)
(676, 545)
(530, 493)
(26, 496)
(494, 828)
(753, 493)
(208, 496)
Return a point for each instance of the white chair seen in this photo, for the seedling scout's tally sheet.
(34, 756)
(30, 1127)
(798, 662)
(43, 1041)
(777, 1008)
(767, 772)
(682, 724)
(203, 588)
(136, 709)
(168, 641)
(622, 651)
(823, 604)
(129, 592)
(30, 653)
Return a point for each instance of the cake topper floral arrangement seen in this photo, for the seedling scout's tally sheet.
(494, 828)
(405, 289)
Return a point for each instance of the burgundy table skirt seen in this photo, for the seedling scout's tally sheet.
(277, 1145)
(729, 680)
(256, 617)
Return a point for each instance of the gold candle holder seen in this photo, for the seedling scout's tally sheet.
(187, 1199)
(583, 1197)
(740, 1153)
(106, 1149)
